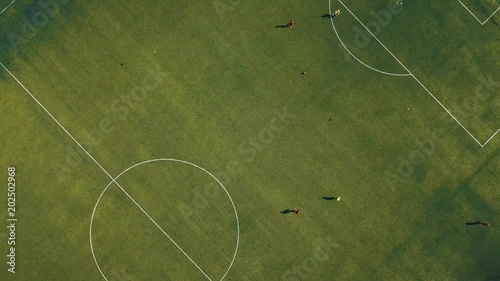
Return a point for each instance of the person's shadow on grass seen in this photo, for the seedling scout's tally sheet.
(473, 223)
(284, 212)
(329, 198)
(282, 26)
(330, 16)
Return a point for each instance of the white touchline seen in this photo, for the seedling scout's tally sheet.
(481, 22)
(97, 163)
(416, 79)
(7, 6)
(352, 55)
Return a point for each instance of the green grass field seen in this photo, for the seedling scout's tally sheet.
(179, 131)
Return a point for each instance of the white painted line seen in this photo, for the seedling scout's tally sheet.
(470, 12)
(95, 161)
(53, 118)
(7, 6)
(174, 160)
(481, 22)
(352, 55)
(491, 137)
(416, 79)
(168, 236)
(498, 9)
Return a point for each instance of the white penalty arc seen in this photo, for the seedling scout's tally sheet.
(178, 161)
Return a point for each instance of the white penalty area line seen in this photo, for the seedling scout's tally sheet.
(97, 163)
(7, 6)
(418, 81)
(481, 22)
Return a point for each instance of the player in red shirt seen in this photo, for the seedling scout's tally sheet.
(296, 211)
(291, 23)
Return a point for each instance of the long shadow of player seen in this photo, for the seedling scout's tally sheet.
(482, 223)
(284, 212)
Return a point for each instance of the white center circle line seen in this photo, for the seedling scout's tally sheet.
(172, 160)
